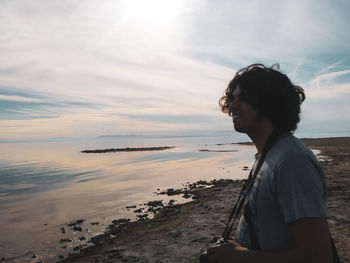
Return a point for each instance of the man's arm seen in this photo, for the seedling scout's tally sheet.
(312, 246)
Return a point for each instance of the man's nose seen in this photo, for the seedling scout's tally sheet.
(233, 105)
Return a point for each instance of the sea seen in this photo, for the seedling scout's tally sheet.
(46, 185)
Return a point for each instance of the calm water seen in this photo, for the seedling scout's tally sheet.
(43, 186)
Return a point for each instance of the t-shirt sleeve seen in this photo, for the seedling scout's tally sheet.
(300, 188)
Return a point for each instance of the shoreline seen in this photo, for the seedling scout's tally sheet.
(178, 233)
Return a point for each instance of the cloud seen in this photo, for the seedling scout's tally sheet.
(90, 68)
(330, 85)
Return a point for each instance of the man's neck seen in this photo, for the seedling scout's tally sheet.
(261, 135)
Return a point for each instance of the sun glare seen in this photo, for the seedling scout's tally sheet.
(153, 10)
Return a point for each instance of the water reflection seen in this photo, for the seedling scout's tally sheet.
(45, 185)
(16, 180)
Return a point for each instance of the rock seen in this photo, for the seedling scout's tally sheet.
(82, 238)
(34, 256)
(63, 230)
(155, 203)
(130, 206)
(94, 223)
(139, 210)
(77, 247)
(78, 222)
(142, 217)
(187, 195)
(61, 257)
(77, 228)
(120, 221)
(62, 240)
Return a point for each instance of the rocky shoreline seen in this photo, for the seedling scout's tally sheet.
(169, 231)
(178, 233)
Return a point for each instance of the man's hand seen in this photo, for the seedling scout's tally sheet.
(226, 252)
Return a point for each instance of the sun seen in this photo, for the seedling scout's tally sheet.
(153, 11)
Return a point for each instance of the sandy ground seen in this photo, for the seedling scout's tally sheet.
(178, 233)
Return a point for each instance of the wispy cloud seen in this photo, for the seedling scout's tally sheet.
(330, 85)
(90, 68)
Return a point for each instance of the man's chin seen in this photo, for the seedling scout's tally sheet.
(238, 128)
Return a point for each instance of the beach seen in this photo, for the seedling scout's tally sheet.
(178, 233)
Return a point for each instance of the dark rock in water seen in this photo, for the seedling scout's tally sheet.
(34, 256)
(82, 238)
(94, 223)
(72, 224)
(155, 203)
(128, 149)
(171, 201)
(65, 240)
(77, 228)
(61, 257)
(120, 221)
(130, 206)
(63, 230)
(64, 247)
(45, 224)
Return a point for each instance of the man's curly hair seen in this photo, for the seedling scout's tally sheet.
(270, 92)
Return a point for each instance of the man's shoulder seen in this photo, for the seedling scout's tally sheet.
(290, 148)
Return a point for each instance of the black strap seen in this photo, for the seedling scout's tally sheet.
(273, 137)
(335, 255)
(253, 238)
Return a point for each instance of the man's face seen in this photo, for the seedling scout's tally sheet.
(245, 118)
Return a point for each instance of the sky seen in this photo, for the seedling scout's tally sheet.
(81, 69)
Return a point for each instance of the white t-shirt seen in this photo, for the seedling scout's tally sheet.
(290, 185)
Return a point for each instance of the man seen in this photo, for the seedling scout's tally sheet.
(287, 201)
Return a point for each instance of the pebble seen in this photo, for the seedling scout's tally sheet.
(62, 240)
(77, 228)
